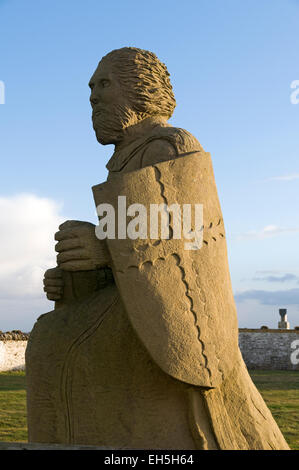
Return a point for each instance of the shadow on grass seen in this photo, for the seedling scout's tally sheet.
(12, 380)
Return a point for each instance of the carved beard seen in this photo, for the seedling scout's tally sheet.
(110, 122)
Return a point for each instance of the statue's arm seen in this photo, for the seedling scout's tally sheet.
(78, 247)
(79, 261)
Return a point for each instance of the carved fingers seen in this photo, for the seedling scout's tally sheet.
(68, 244)
(53, 284)
(78, 248)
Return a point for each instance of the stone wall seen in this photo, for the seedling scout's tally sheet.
(270, 349)
(12, 350)
(261, 349)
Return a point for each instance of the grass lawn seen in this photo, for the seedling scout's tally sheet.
(280, 390)
(13, 423)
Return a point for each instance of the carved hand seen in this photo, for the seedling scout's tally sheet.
(78, 247)
(53, 284)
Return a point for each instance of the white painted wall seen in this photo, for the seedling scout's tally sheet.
(12, 355)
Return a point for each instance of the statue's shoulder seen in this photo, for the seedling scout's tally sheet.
(182, 140)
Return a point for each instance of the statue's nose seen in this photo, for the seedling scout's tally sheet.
(93, 100)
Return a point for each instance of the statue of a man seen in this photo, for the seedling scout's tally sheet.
(141, 350)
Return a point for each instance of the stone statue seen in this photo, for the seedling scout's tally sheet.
(141, 350)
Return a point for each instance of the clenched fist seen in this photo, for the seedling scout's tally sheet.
(53, 284)
(78, 247)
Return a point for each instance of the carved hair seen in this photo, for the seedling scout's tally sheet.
(145, 80)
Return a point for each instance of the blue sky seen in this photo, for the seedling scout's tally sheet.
(231, 64)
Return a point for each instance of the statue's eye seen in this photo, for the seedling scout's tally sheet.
(105, 83)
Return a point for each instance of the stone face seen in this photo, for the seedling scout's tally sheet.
(149, 358)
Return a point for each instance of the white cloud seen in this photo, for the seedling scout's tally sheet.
(27, 227)
(266, 297)
(268, 231)
(287, 277)
(291, 177)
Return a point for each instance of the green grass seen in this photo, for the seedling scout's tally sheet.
(280, 390)
(13, 423)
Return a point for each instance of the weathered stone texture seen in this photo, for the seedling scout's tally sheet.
(150, 361)
(12, 355)
(269, 349)
(15, 335)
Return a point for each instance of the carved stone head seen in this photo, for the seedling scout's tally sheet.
(129, 85)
